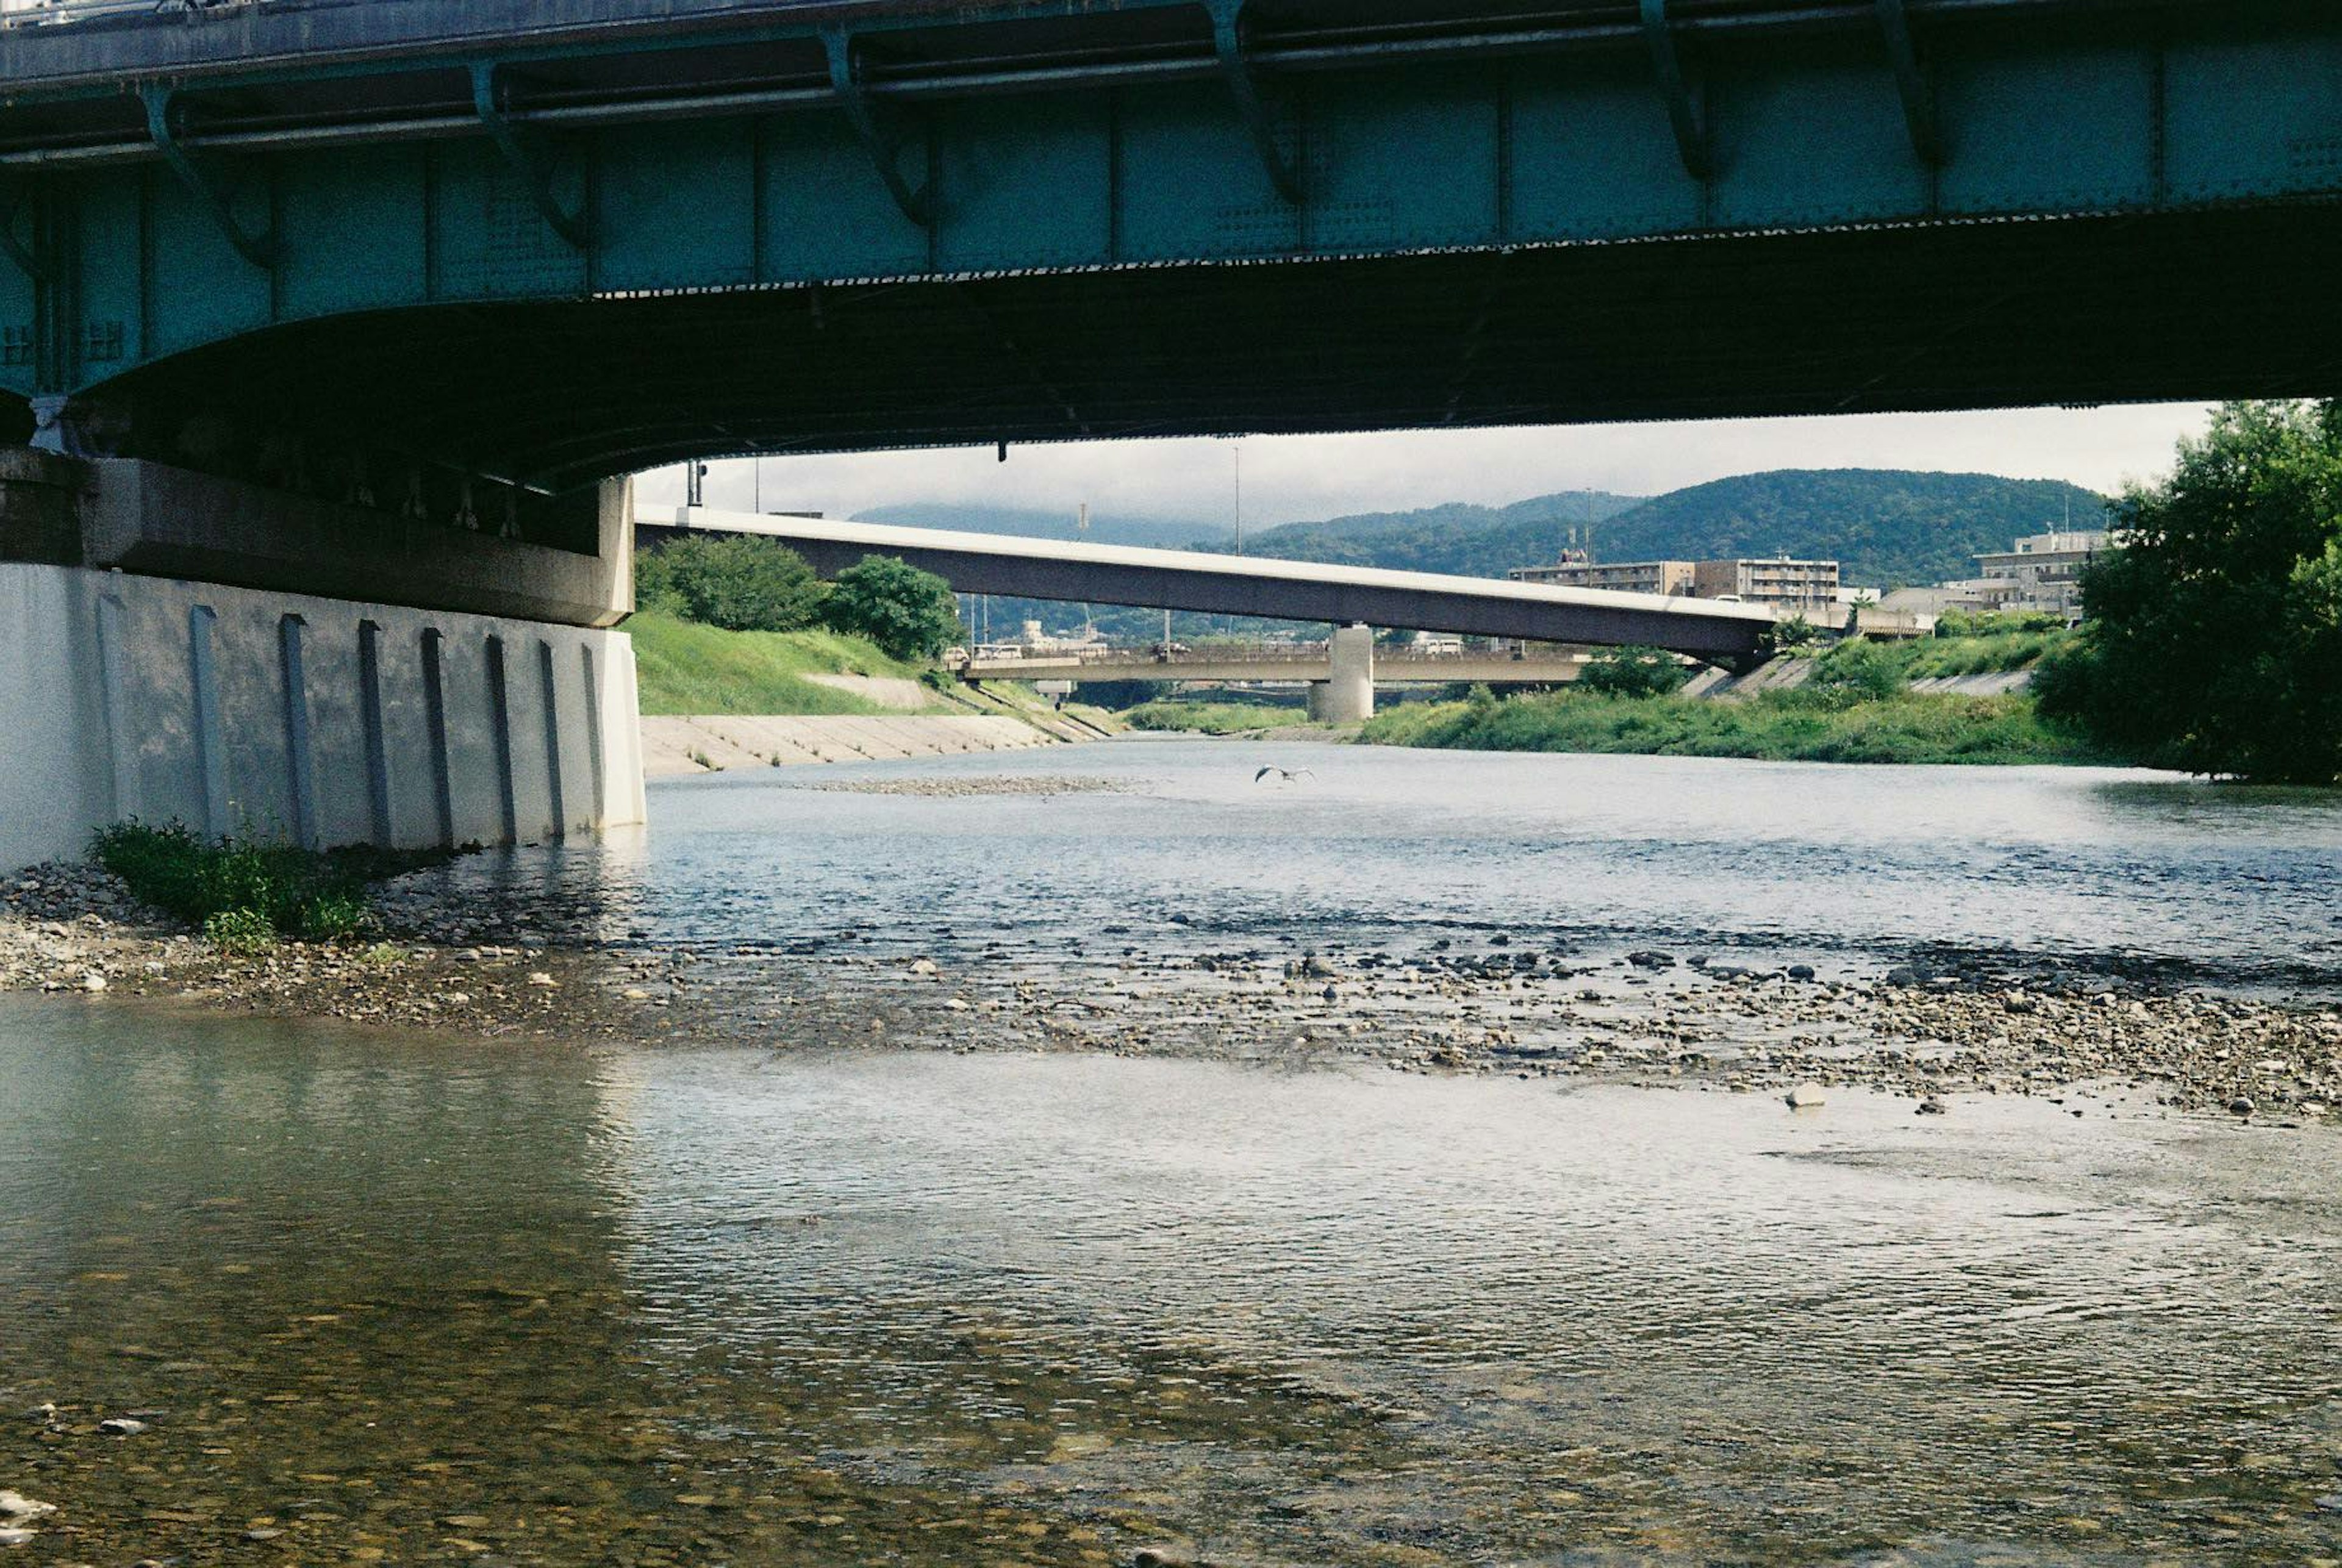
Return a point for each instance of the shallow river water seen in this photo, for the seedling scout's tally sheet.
(1386, 848)
(388, 1298)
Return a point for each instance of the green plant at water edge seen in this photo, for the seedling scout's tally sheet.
(239, 931)
(742, 584)
(1632, 672)
(240, 891)
(907, 613)
(2213, 640)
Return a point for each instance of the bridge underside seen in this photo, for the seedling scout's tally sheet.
(2174, 306)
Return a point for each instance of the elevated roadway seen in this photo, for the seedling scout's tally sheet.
(1252, 585)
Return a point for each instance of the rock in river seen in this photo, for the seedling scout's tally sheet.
(1804, 1096)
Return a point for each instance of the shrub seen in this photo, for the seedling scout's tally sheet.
(239, 931)
(742, 584)
(1857, 670)
(1781, 636)
(907, 613)
(1632, 672)
(244, 892)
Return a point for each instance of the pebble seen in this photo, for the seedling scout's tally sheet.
(11, 1536)
(121, 1426)
(17, 1505)
(1803, 1098)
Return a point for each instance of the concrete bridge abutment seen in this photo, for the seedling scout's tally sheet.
(1347, 696)
(157, 661)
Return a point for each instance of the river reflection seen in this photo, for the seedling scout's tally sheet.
(414, 1299)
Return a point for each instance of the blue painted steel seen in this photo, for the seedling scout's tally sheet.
(525, 161)
(791, 146)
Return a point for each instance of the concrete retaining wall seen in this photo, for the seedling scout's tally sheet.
(323, 720)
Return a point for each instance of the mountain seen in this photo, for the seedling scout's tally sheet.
(1885, 527)
(1456, 537)
(1161, 533)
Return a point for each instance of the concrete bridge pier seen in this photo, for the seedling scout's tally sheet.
(176, 647)
(1347, 696)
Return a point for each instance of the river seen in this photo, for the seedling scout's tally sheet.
(379, 1297)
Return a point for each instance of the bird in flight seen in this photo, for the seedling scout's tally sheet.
(1283, 776)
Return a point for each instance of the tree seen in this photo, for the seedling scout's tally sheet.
(909, 614)
(1779, 637)
(1632, 672)
(742, 584)
(2212, 638)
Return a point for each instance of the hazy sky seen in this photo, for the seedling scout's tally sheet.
(1296, 478)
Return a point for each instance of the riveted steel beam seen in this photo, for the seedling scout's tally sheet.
(1236, 69)
(522, 154)
(885, 149)
(162, 126)
(1683, 115)
(1911, 83)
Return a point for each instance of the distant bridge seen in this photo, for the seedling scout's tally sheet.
(1311, 661)
(1253, 585)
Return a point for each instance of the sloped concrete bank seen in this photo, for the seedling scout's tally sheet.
(677, 745)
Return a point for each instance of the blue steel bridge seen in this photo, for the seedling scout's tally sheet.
(412, 250)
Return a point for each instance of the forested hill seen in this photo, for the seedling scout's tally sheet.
(1885, 527)
(1456, 538)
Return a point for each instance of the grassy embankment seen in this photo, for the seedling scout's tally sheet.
(1797, 725)
(685, 668)
(682, 667)
(1778, 727)
(1864, 715)
(1169, 714)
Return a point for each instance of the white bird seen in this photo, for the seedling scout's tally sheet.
(1283, 776)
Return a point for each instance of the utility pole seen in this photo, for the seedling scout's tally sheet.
(1239, 467)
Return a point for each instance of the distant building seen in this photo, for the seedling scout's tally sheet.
(1807, 588)
(1620, 577)
(2040, 572)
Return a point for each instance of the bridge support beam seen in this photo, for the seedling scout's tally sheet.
(1347, 696)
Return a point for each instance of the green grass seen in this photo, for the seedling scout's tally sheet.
(1781, 726)
(1211, 718)
(1929, 656)
(683, 667)
(244, 893)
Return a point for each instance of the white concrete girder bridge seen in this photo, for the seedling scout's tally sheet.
(1351, 598)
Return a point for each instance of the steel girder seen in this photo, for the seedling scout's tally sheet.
(737, 163)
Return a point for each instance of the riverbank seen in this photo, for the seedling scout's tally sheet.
(1932, 1029)
(1794, 725)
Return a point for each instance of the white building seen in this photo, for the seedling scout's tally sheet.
(2040, 572)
